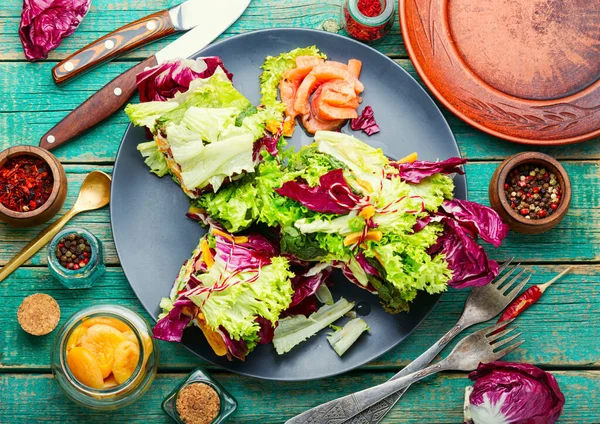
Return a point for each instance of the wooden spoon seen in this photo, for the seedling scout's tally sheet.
(94, 194)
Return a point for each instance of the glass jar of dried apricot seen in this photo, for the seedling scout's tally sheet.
(104, 357)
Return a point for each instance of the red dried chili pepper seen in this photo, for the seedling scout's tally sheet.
(527, 298)
(25, 183)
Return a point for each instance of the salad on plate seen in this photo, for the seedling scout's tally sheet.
(280, 221)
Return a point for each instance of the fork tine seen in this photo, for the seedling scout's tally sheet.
(501, 343)
(502, 279)
(496, 336)
(517, 289)
(505, 265)
(507, 350)
(508, 285)
(486, 331)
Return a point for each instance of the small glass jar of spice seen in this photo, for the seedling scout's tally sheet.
(368, 20)
(199, 399)
(75, 258)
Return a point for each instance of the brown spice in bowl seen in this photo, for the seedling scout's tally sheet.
(198, 403)
(38, 314)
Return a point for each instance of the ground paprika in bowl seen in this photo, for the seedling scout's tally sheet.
(33, 186)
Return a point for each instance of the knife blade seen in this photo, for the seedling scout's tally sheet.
(148, 29)
(110, 98)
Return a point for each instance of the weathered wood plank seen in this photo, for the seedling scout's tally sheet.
(577, 238)
(435, 400)
(570, 307)
(105, 16)
(33, 108)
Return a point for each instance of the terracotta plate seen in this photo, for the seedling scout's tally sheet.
(524, 70)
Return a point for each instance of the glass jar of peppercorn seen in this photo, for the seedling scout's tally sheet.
(75, 258)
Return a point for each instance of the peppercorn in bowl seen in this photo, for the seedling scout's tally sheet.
(531, 192)
(33, 186)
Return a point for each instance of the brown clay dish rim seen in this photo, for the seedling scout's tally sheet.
(549, 163)
(530, 141)
(52, 163)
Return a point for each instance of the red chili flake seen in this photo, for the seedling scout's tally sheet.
(370, 8)
(363, 32)
(25, 183)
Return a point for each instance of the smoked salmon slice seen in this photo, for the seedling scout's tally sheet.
(354, 67)
(308, 61)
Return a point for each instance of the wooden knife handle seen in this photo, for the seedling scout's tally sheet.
(118, 42)
(97, 108)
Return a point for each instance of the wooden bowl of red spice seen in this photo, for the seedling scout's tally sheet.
(531, 191)
(33, 186)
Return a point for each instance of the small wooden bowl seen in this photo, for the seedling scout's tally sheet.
(57, 198)
(501, 204)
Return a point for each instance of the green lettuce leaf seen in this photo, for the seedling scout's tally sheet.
(434, 190)
(341, 339)
(155, 160)
(146, 114)
(364, 161)
(293, 330)
(209, 123)
(236, 307)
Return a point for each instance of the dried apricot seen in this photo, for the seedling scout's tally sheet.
(110, 382)
(127, 356)
(102, 340)
(85, 367)
(113, 322)
(147, 340)
(76, 336)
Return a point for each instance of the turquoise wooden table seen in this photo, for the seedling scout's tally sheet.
(562, 330)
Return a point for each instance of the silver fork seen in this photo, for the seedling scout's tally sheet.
(483, 304)
(481, 346)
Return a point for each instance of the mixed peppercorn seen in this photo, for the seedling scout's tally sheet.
(25, 183)
(73, 252)
(533, 191)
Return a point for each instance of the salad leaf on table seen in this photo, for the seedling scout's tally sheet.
(512, 393)
(341, 339)
(46, 23)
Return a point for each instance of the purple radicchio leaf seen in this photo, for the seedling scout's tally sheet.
(466, 259)
(319, 198)
(307, 283)
(163, 81)
(253, 254)
(267, 330)
(414, 172)
(519, 393)
(306, 307)
(365, 122)
(478, 220)
(236, 348)
(46, 23)
(369, 269)
(170, 328)
(267, 142)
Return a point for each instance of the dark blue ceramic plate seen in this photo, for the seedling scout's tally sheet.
(153, 237)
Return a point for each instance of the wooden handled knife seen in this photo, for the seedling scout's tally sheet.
(207, 18)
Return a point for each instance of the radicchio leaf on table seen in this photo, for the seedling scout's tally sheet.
(514, 393)
(414, 172)
(46, 23)
(318, 198)
(163, 81)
